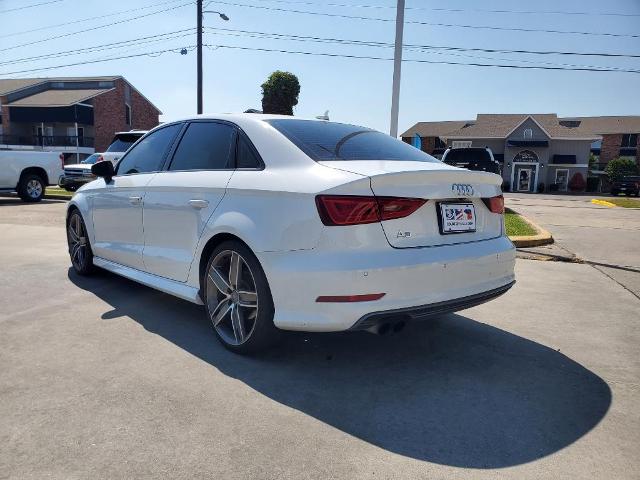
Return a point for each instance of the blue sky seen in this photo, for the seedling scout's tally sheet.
(353, 90)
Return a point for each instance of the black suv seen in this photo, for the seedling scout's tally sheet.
(628, 185)
(472, 158)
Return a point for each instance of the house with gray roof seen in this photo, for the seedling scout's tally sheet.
(74, 115)
(537, 152)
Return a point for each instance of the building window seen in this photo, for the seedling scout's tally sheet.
(461, 144)
(127, 114)
(438, 143)
(527, 134)
(630, 140)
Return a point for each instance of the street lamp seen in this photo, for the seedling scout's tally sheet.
(199, 48)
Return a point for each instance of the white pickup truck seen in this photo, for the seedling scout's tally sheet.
(28, 172)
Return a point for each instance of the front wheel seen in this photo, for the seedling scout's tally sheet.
(238, 299)
(31, 188)
(79, 247)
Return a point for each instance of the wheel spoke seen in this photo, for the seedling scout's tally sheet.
(220, 311)
(76, 251)
(72, 234)
(218, 280)
(234, 270)
(237, 322)
(248, 299)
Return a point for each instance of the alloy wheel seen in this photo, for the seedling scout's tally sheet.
(232, 297)
(77, 238)
(34, 188)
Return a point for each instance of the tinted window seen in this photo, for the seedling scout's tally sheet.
(148, 154)
(204, 146)
(477, 159)
(245, 156)
(339, 141)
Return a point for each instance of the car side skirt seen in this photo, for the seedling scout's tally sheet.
(181, 290)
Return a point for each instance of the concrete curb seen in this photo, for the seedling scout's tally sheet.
(543, 237)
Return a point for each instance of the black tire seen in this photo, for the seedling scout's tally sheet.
(31, 187)
(257, 324)
(80, 251)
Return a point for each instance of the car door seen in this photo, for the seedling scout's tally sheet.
(117, 206)
(180, 200)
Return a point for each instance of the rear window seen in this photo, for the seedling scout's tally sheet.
(326, 141)
(477, 159)
(121, 143)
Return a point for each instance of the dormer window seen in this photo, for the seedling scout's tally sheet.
(528, 134)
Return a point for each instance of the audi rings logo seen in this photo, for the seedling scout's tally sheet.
(462, 189)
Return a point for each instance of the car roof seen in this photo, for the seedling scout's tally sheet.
(241, 118)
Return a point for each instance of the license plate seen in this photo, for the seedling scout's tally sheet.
(457, 218)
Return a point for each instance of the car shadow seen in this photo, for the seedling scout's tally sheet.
(7, 200)
(449, 390)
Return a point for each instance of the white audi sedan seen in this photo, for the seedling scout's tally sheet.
(275, 222)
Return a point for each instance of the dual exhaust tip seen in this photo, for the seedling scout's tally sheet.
(388, 327)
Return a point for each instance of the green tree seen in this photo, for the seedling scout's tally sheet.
(620, 167)
(280, 93)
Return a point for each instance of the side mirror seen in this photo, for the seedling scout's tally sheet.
(104, 170)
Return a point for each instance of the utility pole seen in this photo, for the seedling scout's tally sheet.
(199, 54)
(397, 67)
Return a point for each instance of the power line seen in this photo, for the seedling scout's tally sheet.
(107, 46)
(424, 49)
(95, 27)
(88, 62)
(417, 46)
(456, 10)
(333, 55)
(440, 62)
(87, 19)
(29, 6)
(431, 24)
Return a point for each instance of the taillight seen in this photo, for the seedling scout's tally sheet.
(495, 204)
(358, 210)
(61, 157)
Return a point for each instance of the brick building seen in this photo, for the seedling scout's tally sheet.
(75, 115)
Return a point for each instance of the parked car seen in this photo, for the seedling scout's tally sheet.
(28, 172)
(76, 175)
(629, 185)
(121, 143)
(274, 222)
(472, 158)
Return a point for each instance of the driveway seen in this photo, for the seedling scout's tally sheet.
(105, 378)
(606, 238)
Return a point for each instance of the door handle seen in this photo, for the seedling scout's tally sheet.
(135, 200)
(199, 203)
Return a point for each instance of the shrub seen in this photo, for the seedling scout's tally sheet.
(541, 188)
(505, 186)
(620, 167)
(577, 182)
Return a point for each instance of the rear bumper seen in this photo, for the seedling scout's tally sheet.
(425, 311)
(423, 281)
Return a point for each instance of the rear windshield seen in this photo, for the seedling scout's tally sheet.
(121, 143)
(477, 159)
(326, 141)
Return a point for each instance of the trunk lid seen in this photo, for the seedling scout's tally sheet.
(437, 183)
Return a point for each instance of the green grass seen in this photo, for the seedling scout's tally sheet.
(58, 192)
(623, 202)
(516, 226)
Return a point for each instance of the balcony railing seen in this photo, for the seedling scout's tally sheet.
(47, 140)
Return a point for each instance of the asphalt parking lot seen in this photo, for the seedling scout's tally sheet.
(104, 378)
